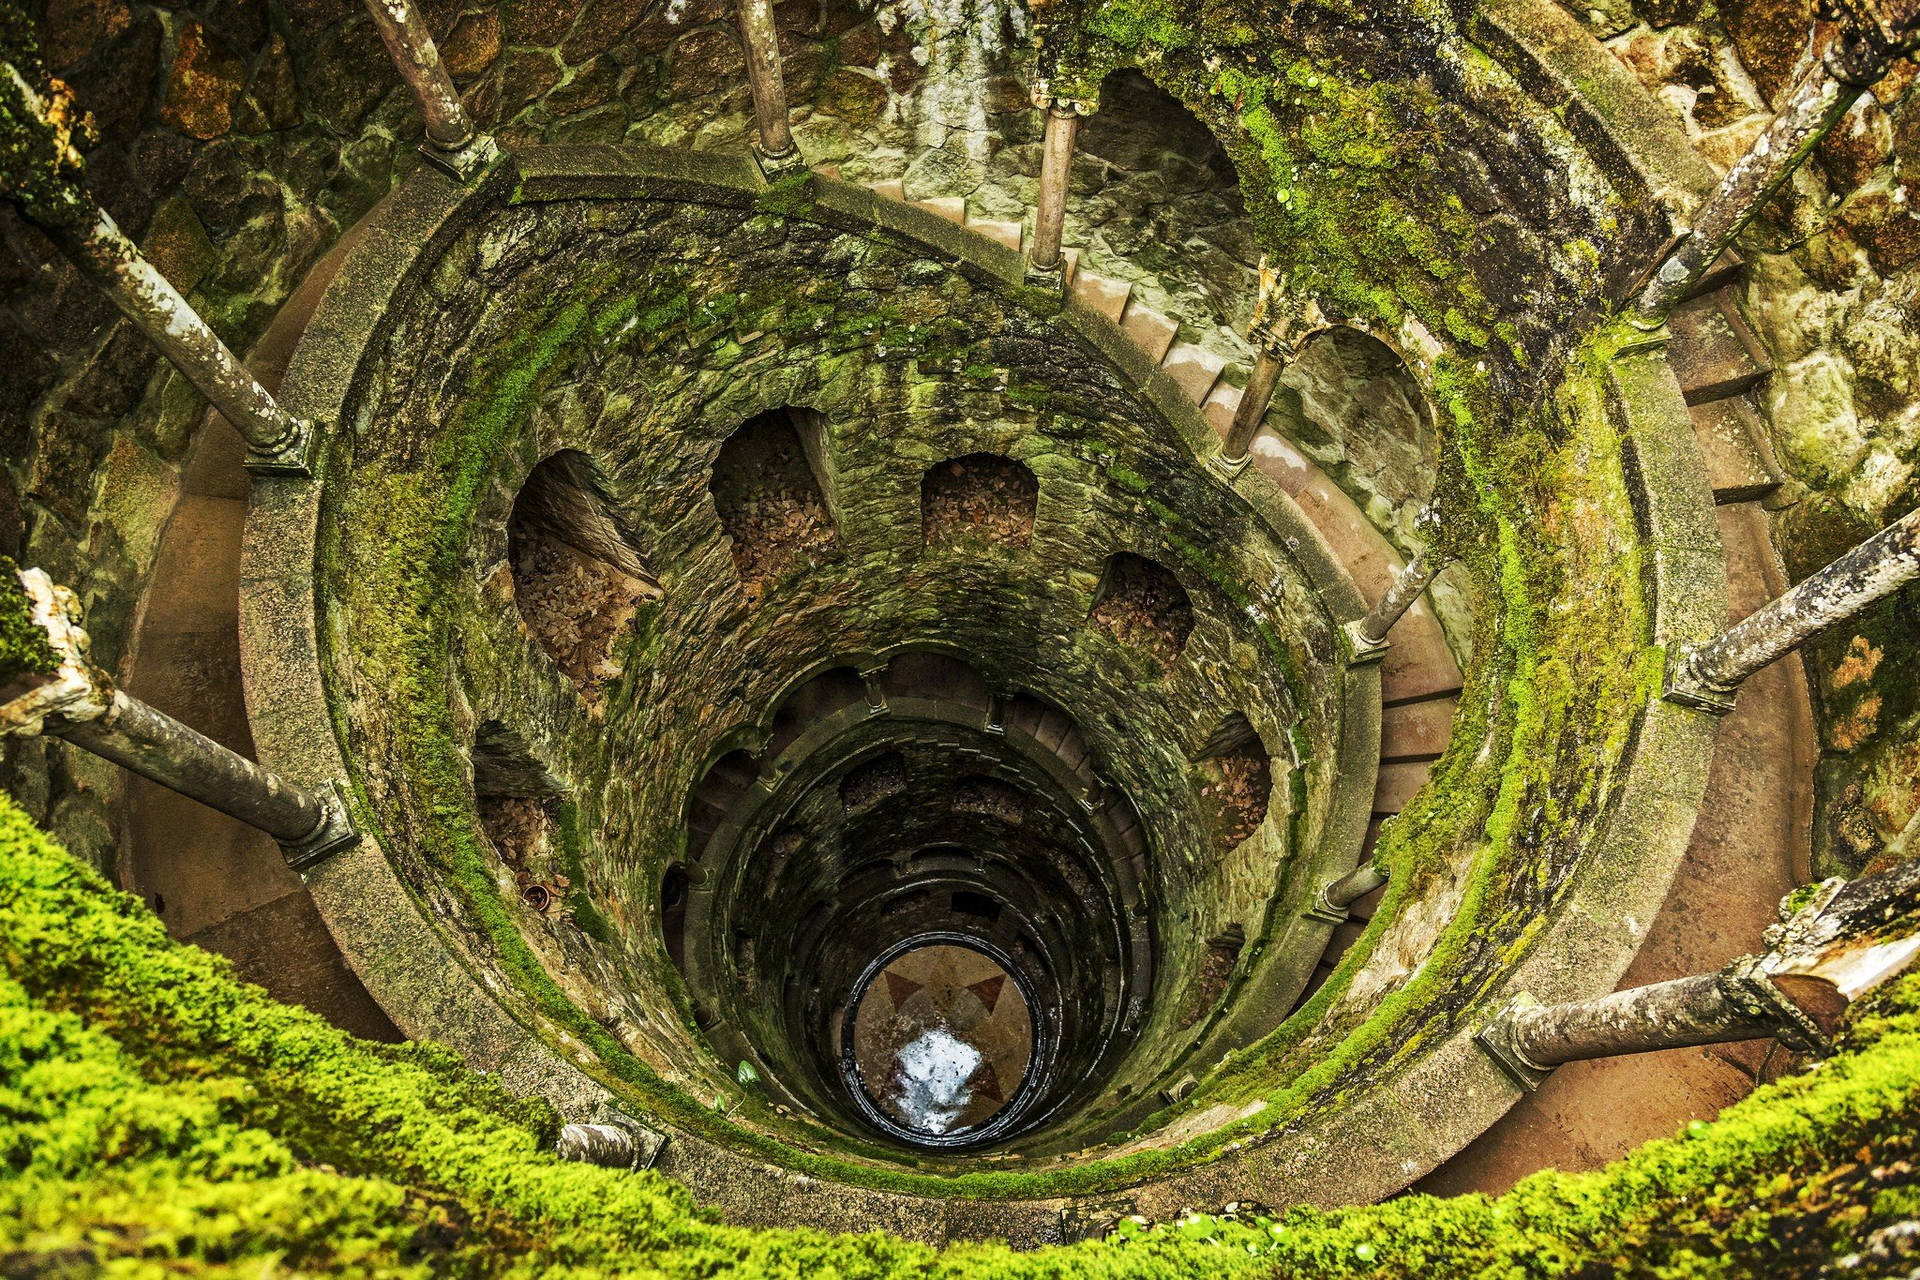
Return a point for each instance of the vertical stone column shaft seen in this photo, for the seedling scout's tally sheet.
(156, 746)
(1353, 886)
(1665, 1015)
(1871, 571)
(1873, 34)
(764, 78)
(606, 1145)
(1056, 161)
(1406, 588)
(105, 256)
(1252, 409)
(404, 30)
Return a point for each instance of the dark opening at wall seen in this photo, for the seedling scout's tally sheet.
(1216, 968)
(874, 780)
(981, 496)
(716, 795)
(673, 913)
(1236, 781)
(769, 487)
(576, 578)
(989, 796)
(1142, 604)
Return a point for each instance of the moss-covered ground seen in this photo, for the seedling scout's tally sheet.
(158, 1117)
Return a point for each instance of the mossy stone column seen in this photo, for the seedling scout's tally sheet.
(1873, 34)
(453, 143)
(77, 701)
(48, 190)
(1273, 334)
(1708, 675)
(774, 148)
(1046, 258)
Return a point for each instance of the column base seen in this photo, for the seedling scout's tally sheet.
(464, 163)
(1680, 685)
(1651, 335)
(1053, 279)
(647, 1142)
(335, 834)
(1228, 467)
(1496, 1038)
(294, 458)
(785, 165)
(1361, 650)
(1324, 911)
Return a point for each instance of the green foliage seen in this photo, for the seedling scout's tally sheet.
(156, 1113)
(24, 650)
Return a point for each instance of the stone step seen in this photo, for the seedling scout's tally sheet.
(1147, 329)
(1727, 269)
(1730, 434)
(1220, 405)
(1416, 730)
(952, 208)
(1006, 232)
(1713, 353)
(1103, 293)
(1194, 368)
(891, 188)
(1398, 781)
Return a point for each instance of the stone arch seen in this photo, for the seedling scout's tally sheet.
(1364, 417)
(577, 580)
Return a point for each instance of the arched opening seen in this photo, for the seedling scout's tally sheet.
(715, 796)
(872, 781)
(674, 886)
(1216, 969)
(981, 495)
(1235, 776)
(1141, 603)
(1365, 420)
(770, 487)
(577, 580)
(991, 797)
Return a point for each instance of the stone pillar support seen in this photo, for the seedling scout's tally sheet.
(1368, 636)
(1873, 34)
(1045, 257)
(1275, 341)
(1708, 675)
(774, 147)
(454, 144)
(616, 1141)
(1826, 954)
(277, 442)
(1337, 896)
(78, 702)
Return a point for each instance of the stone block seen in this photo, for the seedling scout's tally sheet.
(1193, 368)
(1147, 329)
(1281, 463)
(1713, 353)
(1220, 406)
(1103, 293)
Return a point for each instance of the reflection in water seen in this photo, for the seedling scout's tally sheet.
(931, 1080)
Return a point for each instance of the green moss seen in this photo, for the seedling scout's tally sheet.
(24, 650)
(159, 1114)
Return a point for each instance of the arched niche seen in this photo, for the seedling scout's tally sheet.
(1141, 604)
(1234, 772)
(1364, 418)
(980, 496)
(577, 580)
(771, 488)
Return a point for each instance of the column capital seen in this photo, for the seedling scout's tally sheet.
(75, 690)
(1281, 322)
(1046, 99)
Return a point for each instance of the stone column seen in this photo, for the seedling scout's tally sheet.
(1272, 333)
(78, 702)
(1045, 256)
(619, 1143)
(277, 442)
(453, 143)
(1827, 953)
(1708, 675)
(1368, 635)
(775, 148)
(1873, 33)
(1337, 896)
